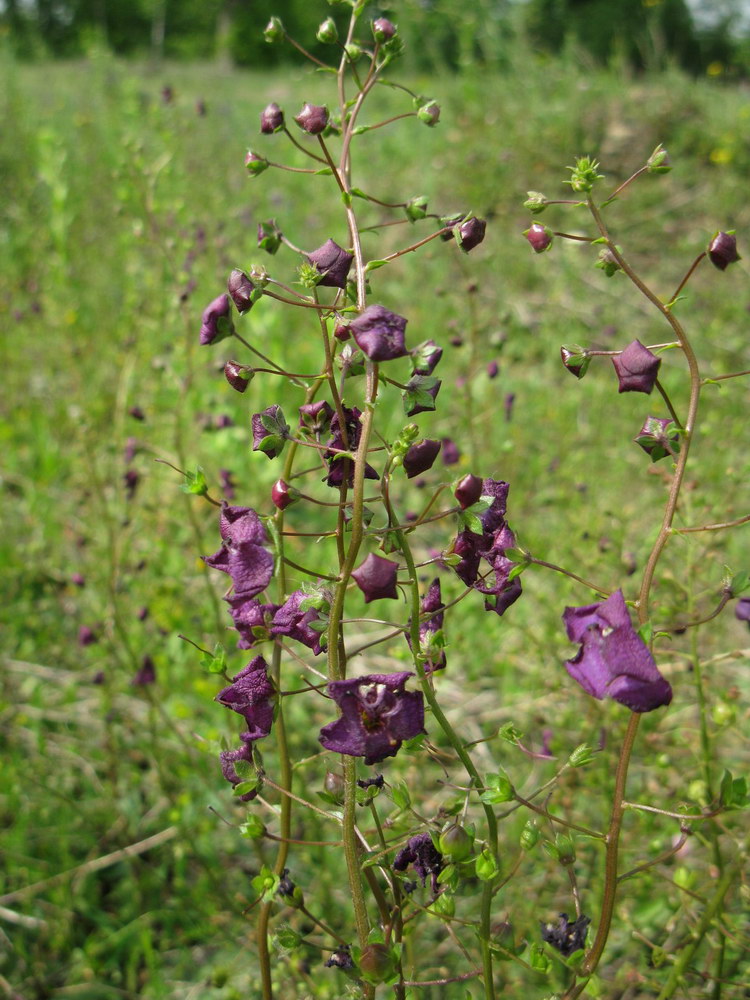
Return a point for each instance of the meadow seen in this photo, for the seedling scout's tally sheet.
(124, 209)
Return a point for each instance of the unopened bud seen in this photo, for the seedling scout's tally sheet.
(383, 30)
(607, 262)
(269, 236)
(376, 963)
(456, 843)
(539, 236)
(470, 233)
(274, 31)
(468, 490)
(271, 119)
(241, 289)
(327, 32)
(334, 785)
(535, 202)
(255, 164)
(312, 119)
(283, 495)
(429, 113)
(658, 162)
(529, 836)
(722, 250)
(238, 376)
(575, 359)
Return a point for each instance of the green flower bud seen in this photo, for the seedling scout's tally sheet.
(582, 754)
(274, 32)
(429, 113)
(535, 202)
(607, 262)
(658, 162)
(255, 164)
(376, 963)
(529, 836)
(456, 843)
(327, 32)
(584, 174)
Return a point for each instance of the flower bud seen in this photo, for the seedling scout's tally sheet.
(468, 490)
(269, 236)
(238, 376)
(274, 31)
(583, 754)
(376, 578)
(379, 333)
(584, 174)
(539, 236)
(259, 275)
(217, 321)
(656, 440)
(333, 263)
(271, 119)
(255, 164)
(456, 843)
(327, 32)
(420, 394)
(535, 202)
(722, 250)
(425, 357)
(342, 333)
(529, 836)
(334, 785)
(376, 963)
(470, 233)
(658, 162)
(340, 959)
(241, 288)
(575, 359)
(312, 119)
(283, 495)
(383, 30)
(420, 457)
(429, 113)
(86, 636)
(637, 368)
(290, 892)
(607, 262)
(416, 208)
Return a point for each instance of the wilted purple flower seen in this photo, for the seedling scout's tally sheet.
(451, 454)
(376, 578)
(136, 413)
(340, 959)
(383, 30)
(237, 375)
(564, 936)
(217, 321)
(613, 659)
(742, 609)
(228, 759)
(493, 369)
(316, 417)
(420, 457)
(539, 236)
(294, 623)
(426, 859)
(241, 289)
(432, 605)
(333, 262)
(340, 468)
(248, 614)
(468, 490)
(471, 233)
(270, 431)
(251, 694)
(131, 478)
(313, 118)
(722, 250)
(636, 367)
(377, 714)
(146, 673)
(271, 119)
(658, 437)
(380, 333)
(242, 554)
(86, 636)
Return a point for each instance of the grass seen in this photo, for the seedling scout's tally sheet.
(121, 219)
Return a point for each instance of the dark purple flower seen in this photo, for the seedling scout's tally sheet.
(539, 236)
(316, 417)
(146, 673)
(249, 615)
(223, 420)
(78, 579)
(291, 621)
(251, 694)
(376, 578)
(377, 714)
(312, 119)
(493, 369)
(228, 759)
(383, 30)
(131, 479)
(237, 375)
(722, 250)
(505, 591)
(637, 368)
(227, 483)
(564, 936)
(658, 438)
(379, 333)
(142, 613)
(742, 609)
(333, 262)
(136, 413)
(508, 405)
(613, 659)
(270, 431)
(468, 490)
(420, 457)
(340, 959)
(425, 858)
(271, 119)
(241, 289)
(242, 554)
(451, 454)
(431, 605)
(131, 449)
(425, 358)
(86, 636)
(217, 321)
(339, 468)
(471, 233)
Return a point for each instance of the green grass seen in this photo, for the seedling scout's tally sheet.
(106, 194)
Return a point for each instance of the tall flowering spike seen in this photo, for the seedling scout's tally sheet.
(565, 936)
(377, 715)
(229, 759)
(271, 119)
(376, 578)
(242, 554)
(380, 333)
(613, 659)
(241, 289)
(470, 233)
(420, 457)
(312, 119)
(425, 858)
(722, 250)
(637, 368)
(333, 262)
(432, 605)
(251, 694)
(216, 321)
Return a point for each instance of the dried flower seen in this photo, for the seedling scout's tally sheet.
(423, 856)
(228, 760)
(376, 578)
(637, 368)
(564, 936)
(293, 622)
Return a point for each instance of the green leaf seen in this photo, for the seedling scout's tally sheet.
(486, 866)
(195, 482)
(739, 583)
(373, 265)
(400, 795)
(253, 828)
(498, 789)
(468, 520)
(217, 663)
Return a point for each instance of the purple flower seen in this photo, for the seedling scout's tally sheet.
(564, 936)
(86, 636)
(431, 605)
(249, 614)
(377, 714)
(131, 479)
(316, 417)
(508, 405)
(426, 859)
(271, 119)
(420, 457)
(251, 694)
(229, 758)
(291, 621)
(657, 437)
(636, 368)
(338, 468)
(376, 578)
(471, 233)
(78, 579)
(227, 483)
(242, 554)
(340, 959)
(505, 591)
(146, 673)
(237, 375)
(613, 659)
(493, 369)
(270, 431)
(451, 454)
(379, 333)
(722, 250)
(136, 413)
(468, 490)
(217, 321)
(312, 119)
(333, 262)
(241, 290)
(742, 609)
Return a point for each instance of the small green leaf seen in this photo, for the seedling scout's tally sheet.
(195, 482)
(373, 265)
(400, 795)
(217, 663)
(486, 866)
